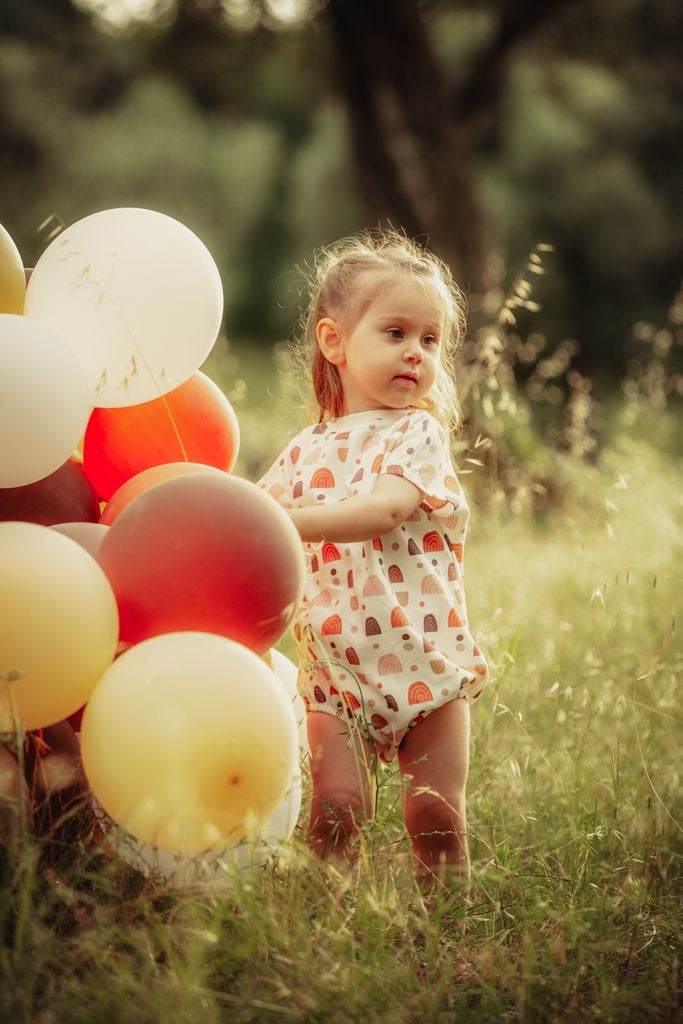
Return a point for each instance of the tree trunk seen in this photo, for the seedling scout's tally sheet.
(413, 160)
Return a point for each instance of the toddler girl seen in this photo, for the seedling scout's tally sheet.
(388, 665)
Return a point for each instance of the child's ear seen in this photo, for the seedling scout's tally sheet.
(330, 341)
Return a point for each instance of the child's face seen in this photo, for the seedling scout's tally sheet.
(390, 357)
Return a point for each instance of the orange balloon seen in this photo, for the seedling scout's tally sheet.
(209, 552)
(193, 423)
(143, 481)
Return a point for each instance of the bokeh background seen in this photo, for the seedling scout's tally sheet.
(270, 127)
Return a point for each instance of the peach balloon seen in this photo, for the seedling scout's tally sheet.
(205, 551)
(88, 535)
(189, 741)
(58, 625)
(193, 423)
(12, 277)
(136, 295)
(143, 481)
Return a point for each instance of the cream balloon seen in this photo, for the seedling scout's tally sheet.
(138, 297)
(12, 276)
(58, 625)
(44, 401)
(209, 870)
(189, 741)
(287, 672)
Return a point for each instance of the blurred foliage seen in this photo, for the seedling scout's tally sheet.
(233, 118)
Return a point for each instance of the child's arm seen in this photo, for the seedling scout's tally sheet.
(362, 516)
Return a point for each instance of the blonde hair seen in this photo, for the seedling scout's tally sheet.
(340, 287)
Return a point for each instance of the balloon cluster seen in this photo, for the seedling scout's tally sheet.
(143, 544)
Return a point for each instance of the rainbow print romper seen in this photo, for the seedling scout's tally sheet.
(382, 632)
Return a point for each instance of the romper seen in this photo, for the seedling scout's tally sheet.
(381, 631)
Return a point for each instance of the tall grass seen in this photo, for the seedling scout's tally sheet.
(573, 914)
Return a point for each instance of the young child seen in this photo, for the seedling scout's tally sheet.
(388, 665)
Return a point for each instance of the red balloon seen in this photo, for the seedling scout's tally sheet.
(193, 423)
(207, 552)
(143, 481)
(64, 496)
(88, 535)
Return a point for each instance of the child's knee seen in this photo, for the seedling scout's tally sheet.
(336, 816)
(434, 814)
(338, 803)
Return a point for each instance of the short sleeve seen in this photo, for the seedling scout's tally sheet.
(277, 482)
(417, 449)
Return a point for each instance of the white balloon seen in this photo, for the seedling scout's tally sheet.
(138, 297)
(287, 672)
(44, 401)
(211, 870)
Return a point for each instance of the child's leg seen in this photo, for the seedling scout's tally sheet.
(435, 757)
(342, 796)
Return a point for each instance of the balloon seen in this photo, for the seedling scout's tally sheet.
(205, 551)
(287, 672)
(88, 535)
(138, 297)
(209, 870)
(12, 277)
(44, 403)
(58, 626)
(188, 741)
(193, 423)
(143, 481)
(63, 496)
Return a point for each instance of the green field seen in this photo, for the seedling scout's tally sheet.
(573, 581)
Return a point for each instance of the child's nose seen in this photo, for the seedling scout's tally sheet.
(413, 350)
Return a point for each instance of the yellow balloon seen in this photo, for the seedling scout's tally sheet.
(189, 741)
(12, 277)
(58, 625)
(137, 296)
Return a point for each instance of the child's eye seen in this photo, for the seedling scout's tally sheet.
(395, 332)
(430, 339)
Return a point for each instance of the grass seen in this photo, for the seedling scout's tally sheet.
(574, 813)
